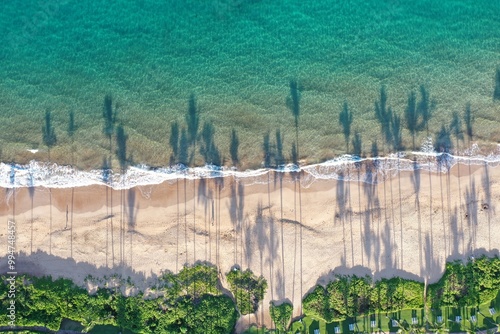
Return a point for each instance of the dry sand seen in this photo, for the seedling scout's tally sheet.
(409, 226)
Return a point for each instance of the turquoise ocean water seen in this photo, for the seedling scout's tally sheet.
(237, 57)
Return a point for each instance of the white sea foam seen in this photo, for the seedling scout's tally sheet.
(346, 167)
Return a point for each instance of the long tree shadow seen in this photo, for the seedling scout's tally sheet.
(263, 231)
(174, 142)
(341, 213)
(279, 163)
(132, 209)
(369, 191)
(233, 147)
(183, 156)
(415, 180)
(487, 205)
(396, 132)
(31, 192)
(208, 149)
(443, 143)
(384, 115)
(236, 214)
(374, 152)
(267, 150)
(411, 116)
(431, 264)
(496, 92)
(385, 238)
(357, 146)
(193, 123)
(293, 103)
(425, 108)
(444, 146)
(106, 177)
(279, 145)
(293, 156)
(121, 150)
(279, 158)
(469, 120)
(205, 197)
(376, 202)
(456, 234)
(357, 152)
(273, 251)
(48, 133)
(345, 120)
(471, 203)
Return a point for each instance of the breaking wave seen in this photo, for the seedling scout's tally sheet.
(346, 167)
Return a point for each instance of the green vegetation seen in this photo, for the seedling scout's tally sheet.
(281, 315)
(466, 290)
(351, 296)
(194, 281)
(189, 302)
(248, 289)
(469, 284)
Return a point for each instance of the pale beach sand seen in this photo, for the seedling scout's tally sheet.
(408, 226)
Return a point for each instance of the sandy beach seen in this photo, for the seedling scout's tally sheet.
(407, 225)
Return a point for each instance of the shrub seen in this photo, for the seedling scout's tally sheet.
(247, 289)
(281, 315)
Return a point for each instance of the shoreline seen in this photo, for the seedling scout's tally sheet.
(346, 167)
(346, 227)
